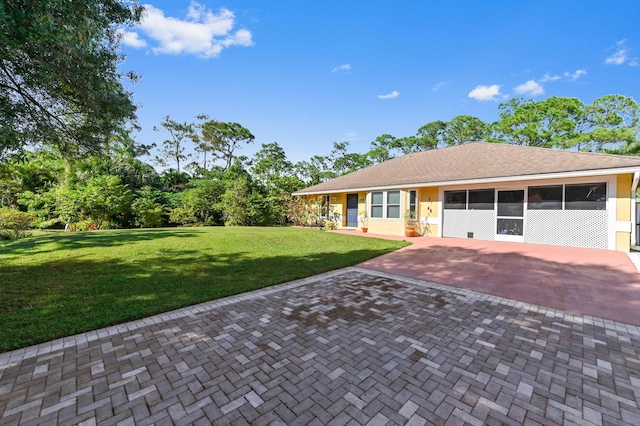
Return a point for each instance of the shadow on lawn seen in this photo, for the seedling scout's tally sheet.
(61, 298)
(55, 241)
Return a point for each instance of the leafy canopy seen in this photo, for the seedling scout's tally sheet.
(59, 78)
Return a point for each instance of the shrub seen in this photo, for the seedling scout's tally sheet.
(330, 225)
(14, 224)
(148, 212)
(305, 210)
(182, 216)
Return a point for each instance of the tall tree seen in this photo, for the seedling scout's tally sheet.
(518, 123)
(201, 140)
(382, 149)
(614, 124)
(59, 77)
(270, 163)
(430, 135)
(464, 129)
(225, 139)
(554, 122)
(317, 170)
(344, 162)
(173, 149)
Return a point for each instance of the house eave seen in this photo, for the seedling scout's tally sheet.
(540, 176)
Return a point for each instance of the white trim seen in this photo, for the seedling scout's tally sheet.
(385, 204)
(496, 217)
(408, 199)
(623, 226)
(430, 220)
(440, 210)
(490, 180)
(612, 208)
(510, 238)
(634, 187)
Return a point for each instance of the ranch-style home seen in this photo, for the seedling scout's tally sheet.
(495, 192)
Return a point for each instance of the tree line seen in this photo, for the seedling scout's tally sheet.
(114, 188)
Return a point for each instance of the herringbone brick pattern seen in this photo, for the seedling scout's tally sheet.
(351, 347)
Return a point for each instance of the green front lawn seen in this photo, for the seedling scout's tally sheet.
(57, 284)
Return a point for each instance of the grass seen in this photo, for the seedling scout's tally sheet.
(56, 284)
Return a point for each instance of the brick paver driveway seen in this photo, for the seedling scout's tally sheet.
(350, 347)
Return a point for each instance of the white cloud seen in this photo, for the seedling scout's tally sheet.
(345, 67)
(620, 56)
(440, 85)
(132, 39)
(391, 95)
(485, 93)
(549, 77)
(203, 33)
(529, 88)
(576, 75)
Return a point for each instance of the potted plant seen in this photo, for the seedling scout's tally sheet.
(410, 223)
(364, 219)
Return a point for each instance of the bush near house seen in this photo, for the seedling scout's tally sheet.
(305, 210)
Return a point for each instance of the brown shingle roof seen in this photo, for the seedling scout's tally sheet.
(478, 160)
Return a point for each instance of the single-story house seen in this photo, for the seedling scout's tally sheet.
(495, 192)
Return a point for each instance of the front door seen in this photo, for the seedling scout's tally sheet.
(352, 210)
(510, 218)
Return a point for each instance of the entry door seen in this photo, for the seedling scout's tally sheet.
(352, 210)
(510, 217)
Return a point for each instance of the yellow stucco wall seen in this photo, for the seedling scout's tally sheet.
(428, 202)
(623, 241)
(362, 207)
(623, 210)
(339, 206)
(428, 209)
(386, 226)
(623, 198)
(337, 203)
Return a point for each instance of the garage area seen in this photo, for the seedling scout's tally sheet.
(566, 214)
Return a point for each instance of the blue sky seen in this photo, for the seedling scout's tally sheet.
(305, 74)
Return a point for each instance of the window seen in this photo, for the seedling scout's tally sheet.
(511, 203)
(545, 198)
(481, 199)
(377, 201)
(510, 226)
(583, 196)
(413, 202)
(588, 196)
(455, 200)
(393, 204)
(385, 205)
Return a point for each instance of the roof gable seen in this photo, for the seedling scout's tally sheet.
(473, 161)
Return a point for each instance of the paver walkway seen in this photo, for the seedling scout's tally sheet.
(603, 283)
(351, 347)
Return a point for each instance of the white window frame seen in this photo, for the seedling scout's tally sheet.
(417, 210)
(371, 205)
(385, 204)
